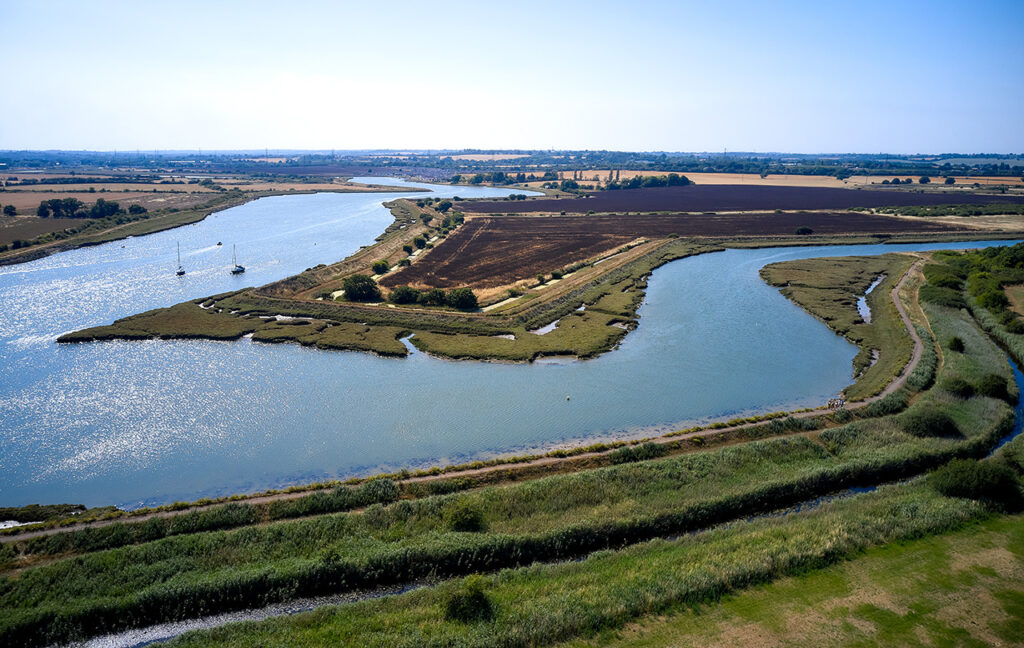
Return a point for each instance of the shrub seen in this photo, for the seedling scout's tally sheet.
(929, 423)
(1015, 326)
(404, 263)
(958, 387)
(419, 242)
(803, 231)
(555, 274)
(461, 515)
(642, 452)
(956, 345)
(994, 300)
(380, 490)
(380, 267)
(469, 602)
(980, 480)
(407, 248)
(994, 386)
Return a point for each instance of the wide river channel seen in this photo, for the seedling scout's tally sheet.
(144, 423)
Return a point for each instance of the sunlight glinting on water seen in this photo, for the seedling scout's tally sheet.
(135, 423)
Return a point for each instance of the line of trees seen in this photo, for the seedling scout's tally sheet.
(459, 298)
(75, 208)
(636, 182)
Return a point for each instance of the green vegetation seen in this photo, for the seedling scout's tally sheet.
(361, 288)
(639, 181)
(240, 555)
(545, 519)
(829, 289)
(546, 604)
(960, 588)
(956, 210)
(37, 513)
(979, 480)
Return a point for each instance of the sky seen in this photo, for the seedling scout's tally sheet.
(809, 77)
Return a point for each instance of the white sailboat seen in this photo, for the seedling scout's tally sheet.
(238, 269)
(181, 268)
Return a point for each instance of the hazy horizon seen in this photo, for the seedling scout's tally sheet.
(795, 77)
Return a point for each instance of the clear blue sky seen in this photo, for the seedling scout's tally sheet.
(892, 76)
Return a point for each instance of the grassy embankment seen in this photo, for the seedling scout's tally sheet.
(548, 604)
(829, 289)
(546, 519)
(957, 589)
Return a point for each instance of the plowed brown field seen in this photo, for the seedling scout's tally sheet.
(701, 198)
(488, 252)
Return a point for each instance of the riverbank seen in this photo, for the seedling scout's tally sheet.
(149, 223)
(577, 457)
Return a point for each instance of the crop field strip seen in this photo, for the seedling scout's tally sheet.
(871, 449)
(494, 251)
(703, 198)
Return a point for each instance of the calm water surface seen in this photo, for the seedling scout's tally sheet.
(137, 423)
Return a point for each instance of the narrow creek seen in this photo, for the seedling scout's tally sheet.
(138, 637)
(862, 302)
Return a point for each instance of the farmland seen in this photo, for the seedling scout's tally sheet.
(788, 180)
(702, 198)
(493, 251)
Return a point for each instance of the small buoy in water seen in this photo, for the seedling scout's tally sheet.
(566, 398)
(219, 243)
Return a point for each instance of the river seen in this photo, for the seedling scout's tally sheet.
(145, 423)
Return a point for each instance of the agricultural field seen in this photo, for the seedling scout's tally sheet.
(703, 198)
(790, 180)
(494, 251)
(13, 228)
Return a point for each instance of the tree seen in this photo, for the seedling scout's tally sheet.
(43, 211)
(137, 209)
(462, 299)
(361, 288)
(419, 242)
(407, 248)
(433, 297)
(924, 180)
(404, 295)
(803, 231)
(456, 179)
(444, 206)
(9, 210)
(950, 180)
(380, 267)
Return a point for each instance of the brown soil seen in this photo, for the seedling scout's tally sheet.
(495, 251)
